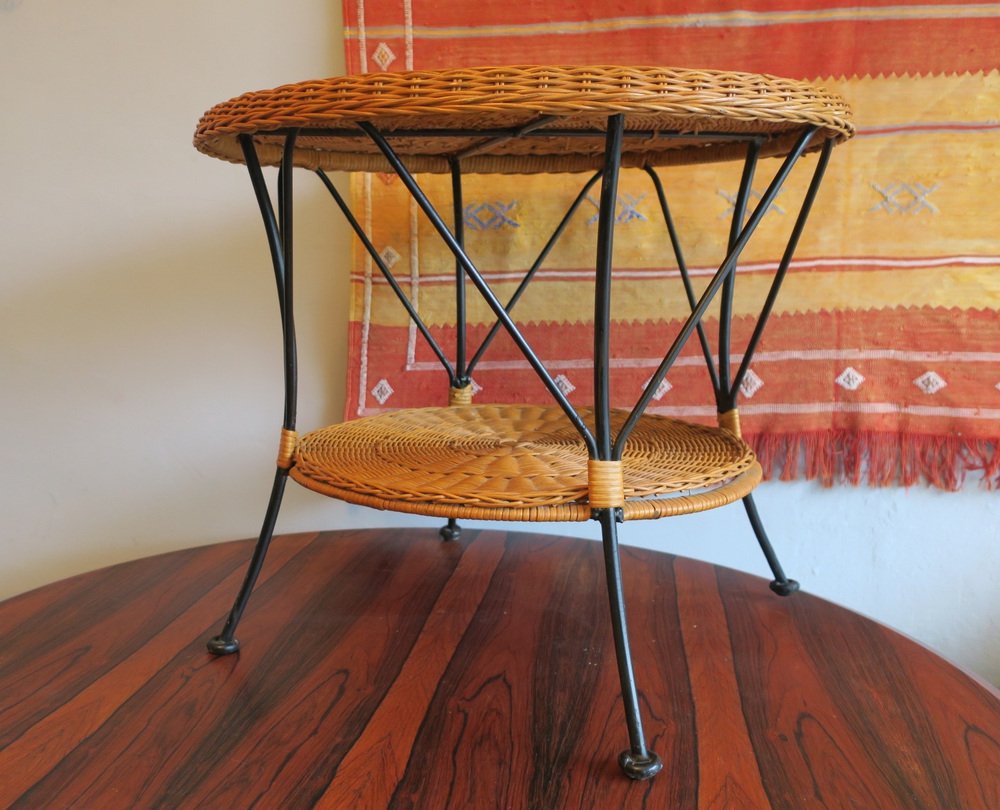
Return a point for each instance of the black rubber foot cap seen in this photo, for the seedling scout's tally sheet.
(450, 532)
(639, 768)
(220, 646)
(786, 588)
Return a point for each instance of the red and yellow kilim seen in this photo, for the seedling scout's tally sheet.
(881, 362)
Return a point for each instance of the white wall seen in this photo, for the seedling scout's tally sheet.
(140, 362)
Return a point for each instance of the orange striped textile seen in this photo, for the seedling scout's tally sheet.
(881, 362)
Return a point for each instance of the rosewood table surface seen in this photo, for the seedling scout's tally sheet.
(384, 668)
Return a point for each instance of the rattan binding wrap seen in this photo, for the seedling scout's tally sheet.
(653, 99)
(286, 448)
(505, 462)
(730, 420)
(605, 484)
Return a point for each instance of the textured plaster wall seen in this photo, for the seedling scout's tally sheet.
(140, 357)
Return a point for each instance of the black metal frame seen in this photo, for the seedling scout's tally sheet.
(638, 761)
(727, 389)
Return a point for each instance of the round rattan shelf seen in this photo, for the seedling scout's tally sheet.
(672, 115)
(525, 462)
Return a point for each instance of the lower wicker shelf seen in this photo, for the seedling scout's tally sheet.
(518, 462)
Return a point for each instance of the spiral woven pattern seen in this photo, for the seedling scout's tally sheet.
(656, 100)
(500, 462)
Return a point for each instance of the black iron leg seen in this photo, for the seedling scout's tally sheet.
(279, 238)
(225, 643)
(781, 585)
(638, 762)
(452, 531)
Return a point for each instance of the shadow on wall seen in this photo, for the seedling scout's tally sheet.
(144, 391)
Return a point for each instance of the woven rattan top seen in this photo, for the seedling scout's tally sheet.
(672, 115)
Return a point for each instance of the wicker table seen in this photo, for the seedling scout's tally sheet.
(502, 462)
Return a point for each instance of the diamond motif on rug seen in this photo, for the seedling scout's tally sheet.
(754, 196)
(661, 390)
(930, 382)
(751, 384)
(850, 379)
(390, 256)
(905, 198)
(382, 391)
(626, 209)
(563, 384)
(490, 216)
(383, 56)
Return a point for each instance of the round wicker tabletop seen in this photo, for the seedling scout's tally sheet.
(525, 119)
(518, 462)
